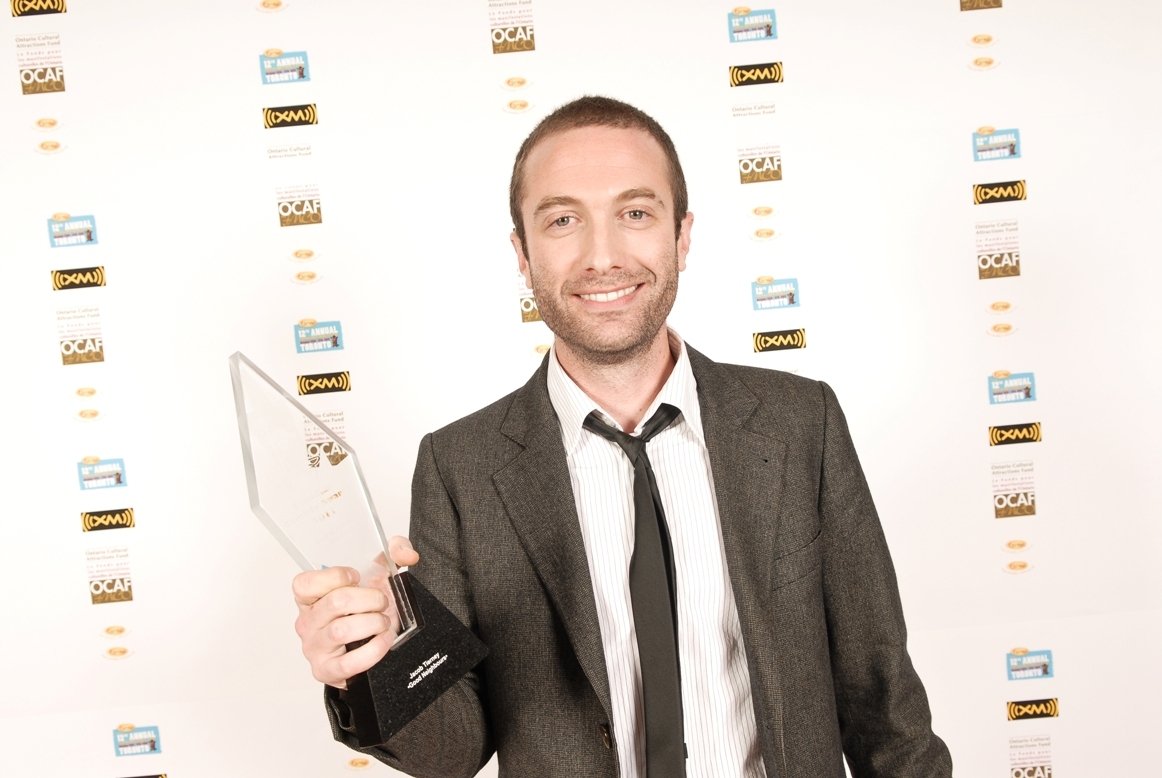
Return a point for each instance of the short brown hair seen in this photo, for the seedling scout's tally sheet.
(596, 111)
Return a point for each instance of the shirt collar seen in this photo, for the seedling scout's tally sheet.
(573, 405)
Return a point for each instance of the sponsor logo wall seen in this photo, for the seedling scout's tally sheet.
(993, 355)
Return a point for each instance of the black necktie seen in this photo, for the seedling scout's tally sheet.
(651, 590)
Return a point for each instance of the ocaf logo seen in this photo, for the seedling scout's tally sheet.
(506, 40)
(1007, 506)
(38, 7)
(529, 310)
(110, 590)
(292, 213)
(329, 449)
(78, 278)
(322, 383)
(1002, 264)
(1015, 433)
(1002, 192)
(289, 116)
(118, 518)
(1033, 709)
(753, 170)
(38, 81)
(780, 340)
(81, 350)
(764, 73)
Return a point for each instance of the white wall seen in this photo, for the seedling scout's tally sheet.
(162, 142)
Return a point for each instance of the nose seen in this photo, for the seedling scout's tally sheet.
(603, 251)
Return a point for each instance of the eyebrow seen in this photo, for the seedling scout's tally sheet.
(638, 193)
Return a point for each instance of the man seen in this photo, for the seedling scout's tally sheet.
(787, 624)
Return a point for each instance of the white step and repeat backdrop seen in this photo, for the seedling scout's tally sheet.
(945, 208)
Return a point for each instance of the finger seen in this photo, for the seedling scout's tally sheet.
(338, 603)
(337, 669)
(313, 585)
(357, 627)
(402, 552)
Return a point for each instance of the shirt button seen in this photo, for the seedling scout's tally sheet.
(606, 737)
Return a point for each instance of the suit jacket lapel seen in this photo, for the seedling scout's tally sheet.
(748, 466)
(536, 491)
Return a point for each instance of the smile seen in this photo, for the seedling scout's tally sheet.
(605, 297)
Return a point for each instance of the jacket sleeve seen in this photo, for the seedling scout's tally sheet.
(884, 716)
(451, 737)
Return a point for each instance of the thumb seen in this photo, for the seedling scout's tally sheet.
(402, 552)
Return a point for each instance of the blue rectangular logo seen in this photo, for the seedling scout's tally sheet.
(776, 293)
(998, 144)
(322, 336)
(72, 231)
(1013, 388)
(287, 67)
(756, 25)
(102, 474)
(136, 741)
(1023, 665)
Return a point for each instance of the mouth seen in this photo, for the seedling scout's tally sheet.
(607, 297)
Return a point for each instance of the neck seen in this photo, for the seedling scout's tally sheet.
(624, 388)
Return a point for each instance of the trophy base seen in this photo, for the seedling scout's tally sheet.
(413, 673)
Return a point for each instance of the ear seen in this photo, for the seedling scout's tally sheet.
(683, 247)
(521, 260)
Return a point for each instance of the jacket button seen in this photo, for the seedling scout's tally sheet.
(606, 737)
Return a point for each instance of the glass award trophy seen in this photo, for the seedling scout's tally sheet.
(307, 488)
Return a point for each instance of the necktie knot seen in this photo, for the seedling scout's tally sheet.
(633, 446)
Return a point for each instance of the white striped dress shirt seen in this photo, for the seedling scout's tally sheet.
(718, 716)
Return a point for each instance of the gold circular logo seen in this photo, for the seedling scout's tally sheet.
(762, 210)
(126, 727)
(984, 63)
(1016, 545)
(86, 391)
(88, 414)
(272, 53)
(308, 322)
(272, 5)
(90, 460)
(516, 82)
(1001, 374)
(117, 652)
(1017, 567)
(359, 763)
(764, 233)
(304, 254)
(1019, 651)
(46, 123)
(518, 105)
(1001, 306)
(49, 146)
(113, 630)
(60, 216)
(741, 10)
(1001, 329)
(306, 276)
(765, 280)
(983, 39)
(985, 130)
(541, 348)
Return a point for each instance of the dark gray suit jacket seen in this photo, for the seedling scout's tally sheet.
(494, 520)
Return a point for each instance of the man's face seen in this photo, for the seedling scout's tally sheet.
(601, 255)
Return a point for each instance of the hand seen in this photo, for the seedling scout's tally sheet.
(334, 611)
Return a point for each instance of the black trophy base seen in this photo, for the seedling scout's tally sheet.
(413, 673)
